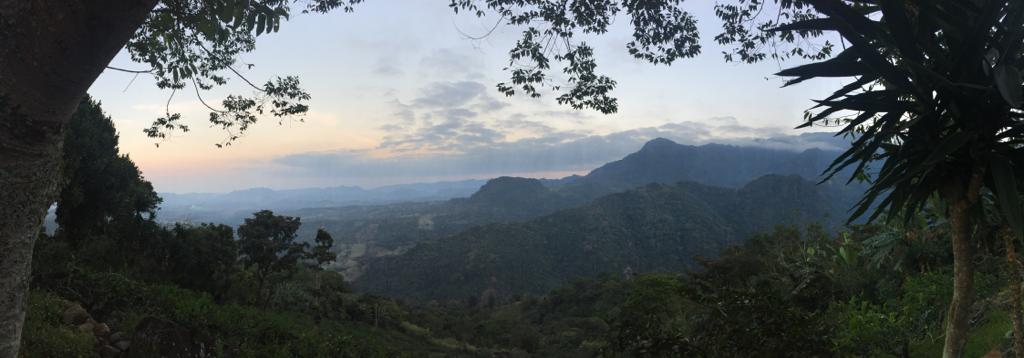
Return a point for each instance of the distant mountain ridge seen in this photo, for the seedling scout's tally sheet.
(368, 231)
(367, 223)
(231, 207)
(664, 161)
(656, 227)
(658, 161)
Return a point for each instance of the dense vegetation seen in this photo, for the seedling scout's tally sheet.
(365, 232)
(260, 295)
(654, 228)
(663, 270)
(871, 291)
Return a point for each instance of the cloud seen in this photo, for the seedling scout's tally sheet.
(447, 61)
(518, 121)
(444, 117)
(475, 150)
(454, 132)
(386, 67)
(449, 94)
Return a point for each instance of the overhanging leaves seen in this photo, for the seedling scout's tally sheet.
(1007, 193)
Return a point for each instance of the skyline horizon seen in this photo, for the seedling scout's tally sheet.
(404, 86)
(814, 143)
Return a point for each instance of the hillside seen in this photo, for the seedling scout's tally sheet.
(654, 228)
(365, 232)
(371, 231)
(664, 161)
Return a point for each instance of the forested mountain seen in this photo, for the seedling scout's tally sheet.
(664, 161)
(657, 227)
(373, 231)
(658, 161)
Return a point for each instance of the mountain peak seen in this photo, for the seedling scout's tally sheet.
(510, 190)
(658, 143)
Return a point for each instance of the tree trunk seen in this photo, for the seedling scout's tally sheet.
(318, 311)
(1014, 270)
(961, 199)
(261, 283)
(51, 51)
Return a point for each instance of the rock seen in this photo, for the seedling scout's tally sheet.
(107, 351)
(87, 327)
(75, 315)
(155, 337)
(123, 345)
(116, 337)
(101, 330)
(994, 353)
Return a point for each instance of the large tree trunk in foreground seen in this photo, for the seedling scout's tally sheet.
(51, 51)
(1014, 269)
(961, 199)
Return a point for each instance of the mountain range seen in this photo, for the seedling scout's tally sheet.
(653, 228)
(709, 186)
(371, 231)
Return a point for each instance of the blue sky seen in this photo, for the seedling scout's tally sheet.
(401, 95)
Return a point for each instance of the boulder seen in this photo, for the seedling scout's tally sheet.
(88, 326)
(116, 337)
(107, 351)
(123, 345)
(155, 337)
(75, 315)
(101, 330)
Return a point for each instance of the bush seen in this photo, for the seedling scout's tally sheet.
(868, 330)
(45, 335)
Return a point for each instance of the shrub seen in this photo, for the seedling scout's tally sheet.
(45, 335)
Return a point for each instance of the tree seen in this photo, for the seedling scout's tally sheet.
(652, 321)
(267, 246)
(199, 257)
(54, 50)
(106, 209)
(102, 187)
(321, 254)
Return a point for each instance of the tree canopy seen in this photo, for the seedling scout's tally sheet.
(266, 243)
(103, 186)
(196, 43)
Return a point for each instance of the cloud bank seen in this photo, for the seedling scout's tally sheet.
(476, 151)
(457, 127)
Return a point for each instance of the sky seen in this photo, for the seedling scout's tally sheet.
(401, 95)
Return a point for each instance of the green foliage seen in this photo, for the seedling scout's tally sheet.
(197, 44)
(200, 257)
(321, 252)
(46, 336)
(657, 228)
(235, 329)
(653, 320)
(103, 188)
(922, 117)
(767, 297)
(662, 33)
(868, 330)
(786, 292)
(267, 246)
(990, 335)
